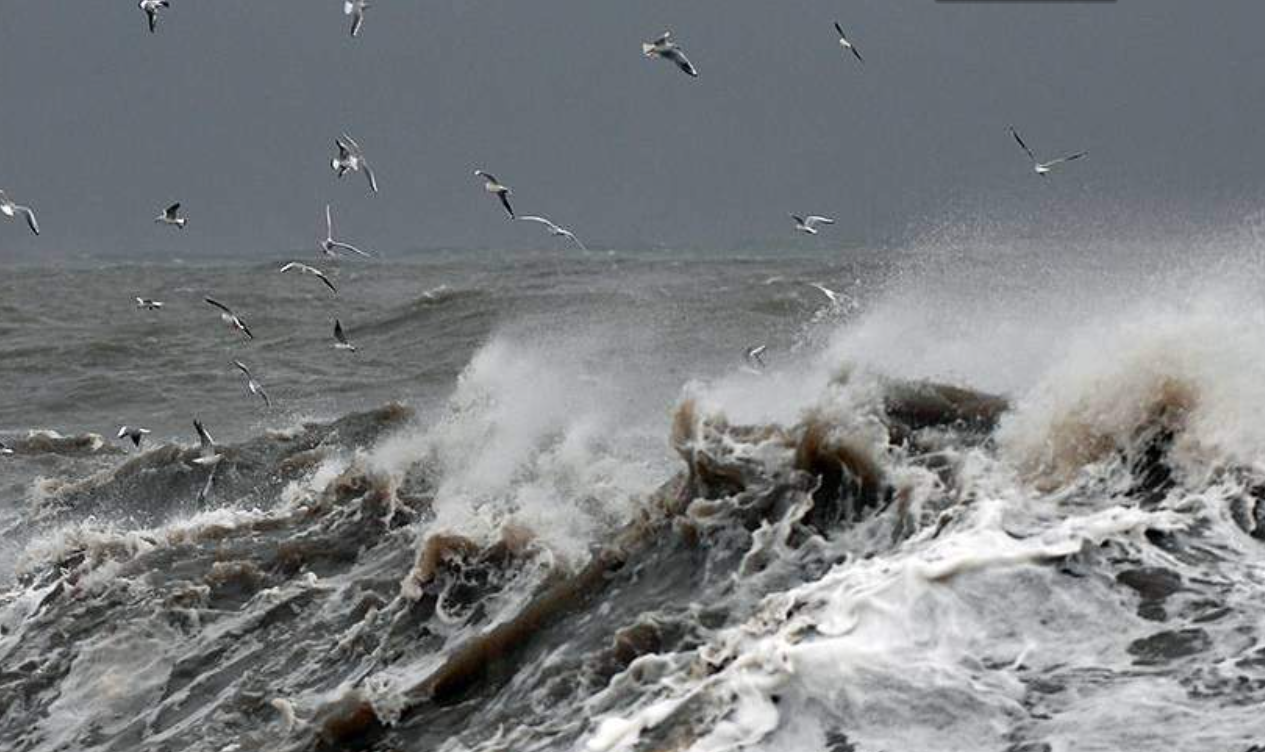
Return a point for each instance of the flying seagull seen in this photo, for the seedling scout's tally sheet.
(207, 455)
(230, 318)
(149, 304)
(665, 48)
(5, 448)
(492, 185)
(340, 339)
(355, 9)
(755, 356)
(171, 216)
(11, 210)
(555, 230)
(253, 385)
(151, 11)
(809, 224)
(135, 434)
(835, 298)
(331, 246)
(352, 158)
(845, 43)
(305, 269)
(1042, 168)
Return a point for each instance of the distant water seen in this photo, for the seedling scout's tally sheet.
(998, 496)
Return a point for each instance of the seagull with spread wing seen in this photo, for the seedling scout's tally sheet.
(847, 44)
(665, 49)
(555, 230)
(305, 269)
(1039, 167)
(809, 224)
(351, 158)
(252, 385)
(10, 209)
(330, 246)
(230, 318)
(171, 217)
(492, 185)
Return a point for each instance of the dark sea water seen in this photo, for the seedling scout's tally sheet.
(998, 495)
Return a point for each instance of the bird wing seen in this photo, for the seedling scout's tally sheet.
(855, 52)
(350, 143)
(242, 367)
(839, 29)
(338, 332)
(539, 220)
(348, 247)
(677, 55)
(30, 219)
(321, 275)
(289, 266)
(797, 218)
(505, 201)
(816, 220)
(1022, 145)
(1068, 158)
(153, 19)
(245, 329)
(203, 437)
(487, 176)
(171, 211)
(329, 222)
(373, 181)
(663, 39)
(221, 306)
(357, 21)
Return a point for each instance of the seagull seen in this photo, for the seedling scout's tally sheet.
(845, 43)
(331, 246)
(809, 224)
(151, 11)
(555, 230)
(1043, 168)
(171, 216)
(355, 9)
(492, 185)
(149, 304)
(352, 157)
(11, 210)
(207, 456)
(835, 298)
(5, 448)
(340, 338)
(253, 385)
(755, 356)
(305, 269)
(665, 48)
(230, 318)
(135, 434)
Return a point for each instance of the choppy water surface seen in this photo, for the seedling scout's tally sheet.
(984, 501)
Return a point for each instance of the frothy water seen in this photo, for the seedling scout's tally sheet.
(992, 499)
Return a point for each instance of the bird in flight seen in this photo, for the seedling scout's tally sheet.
(847, 44)
(171, 217)
(340, 338)
(755, 356)
(1042, 168)
(555, 230)
(133, 433)
(665, 48)
(151, 11)
(230, 318)
(305, 269)
(352, 158)
(253, 385)
(331, 246)
(355, 9)
(5, 448)
(149, 304)
(11, 210)
(809, 224)
(492, 185)
(834, 297)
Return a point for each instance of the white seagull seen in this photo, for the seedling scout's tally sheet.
(340, 339)
(135, 434)
(11, 210)
(352, 158)
(5, 448)
(665, 48)
(809, 224)
(331, 246)
(207, 456)
(755, 356)
(305, 269)
(171, 216)
(230, 318)
(149, 304)
(1042, 168)
(253, 385)
(555, 230)
(151, 11)
(492, 185)
(355, 9)
(845, 43)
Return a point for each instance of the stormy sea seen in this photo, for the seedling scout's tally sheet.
(989, 493)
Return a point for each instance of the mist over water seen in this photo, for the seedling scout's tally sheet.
(1001, 493)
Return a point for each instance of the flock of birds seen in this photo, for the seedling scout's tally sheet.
(351, 159)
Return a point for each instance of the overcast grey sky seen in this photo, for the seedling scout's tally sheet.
(232, 108)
